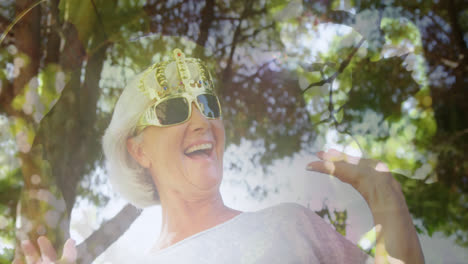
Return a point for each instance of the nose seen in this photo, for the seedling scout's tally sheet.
(197, 121)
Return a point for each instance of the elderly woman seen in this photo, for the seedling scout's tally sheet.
(165, 145)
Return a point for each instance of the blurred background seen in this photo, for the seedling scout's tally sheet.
(378, 79)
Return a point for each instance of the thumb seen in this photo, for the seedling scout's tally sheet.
(17, 260)
(69, 252)
(18, 256)
(327, 167)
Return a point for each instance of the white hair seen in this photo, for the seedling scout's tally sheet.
(126, 176)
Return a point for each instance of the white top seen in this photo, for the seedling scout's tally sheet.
(283, 234)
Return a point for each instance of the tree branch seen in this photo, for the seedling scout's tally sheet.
(207, 17)
(108, 233)
(6, 97)
(226, 18)
(53, 37)
(330, 16)
(248, 78)
(27, 35)
(256, 31)
(455, 25)
(343, 66)
(4, 21)
(245, 37)
(227, 71)
(321, 122)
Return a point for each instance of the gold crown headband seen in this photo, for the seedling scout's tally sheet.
(157, 87)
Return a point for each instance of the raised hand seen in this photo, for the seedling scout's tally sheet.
(367, 176)
(397, 241)
(46, 253)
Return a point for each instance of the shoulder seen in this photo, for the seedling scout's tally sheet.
(290, 214)
(289, 207)
(298, 218)
(328, 245)
(286, 208)
(293, 209)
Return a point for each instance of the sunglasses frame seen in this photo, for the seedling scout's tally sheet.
(150, 113)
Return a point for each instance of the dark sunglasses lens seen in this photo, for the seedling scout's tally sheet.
(172, 111)
(209, 105)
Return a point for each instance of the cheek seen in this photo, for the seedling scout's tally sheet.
(219, 130)
(166, 159)
(220, 137)
(162, 148)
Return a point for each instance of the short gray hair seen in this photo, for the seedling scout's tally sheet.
(128, 177)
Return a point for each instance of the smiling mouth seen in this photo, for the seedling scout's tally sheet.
(200, 150)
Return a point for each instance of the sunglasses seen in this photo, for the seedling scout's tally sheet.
(176, 109)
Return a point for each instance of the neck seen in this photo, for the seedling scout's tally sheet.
(182, 217)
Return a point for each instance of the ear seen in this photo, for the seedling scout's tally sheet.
(136, 150)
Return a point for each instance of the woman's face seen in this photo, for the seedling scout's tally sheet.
(186, 158)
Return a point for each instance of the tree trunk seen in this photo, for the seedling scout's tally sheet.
(33, 205)
(107, 234)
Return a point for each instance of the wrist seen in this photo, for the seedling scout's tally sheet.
(383, 193)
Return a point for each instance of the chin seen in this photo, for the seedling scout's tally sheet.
(207, 180)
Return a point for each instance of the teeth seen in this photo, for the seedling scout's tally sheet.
(199, 147)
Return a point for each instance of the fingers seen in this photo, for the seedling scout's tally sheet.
(326, 167)
(334, 155)
(347, 168)
(353, 170)
(344, 171)
(18, 256)
(17, 259)
(47, 254)
(30, 252)
(47, 250)
(69, 251)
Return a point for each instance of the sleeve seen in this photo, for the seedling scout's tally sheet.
(329, 245)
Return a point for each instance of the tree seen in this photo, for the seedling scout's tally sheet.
(65, 62)
(60, 67)
(425, 116)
